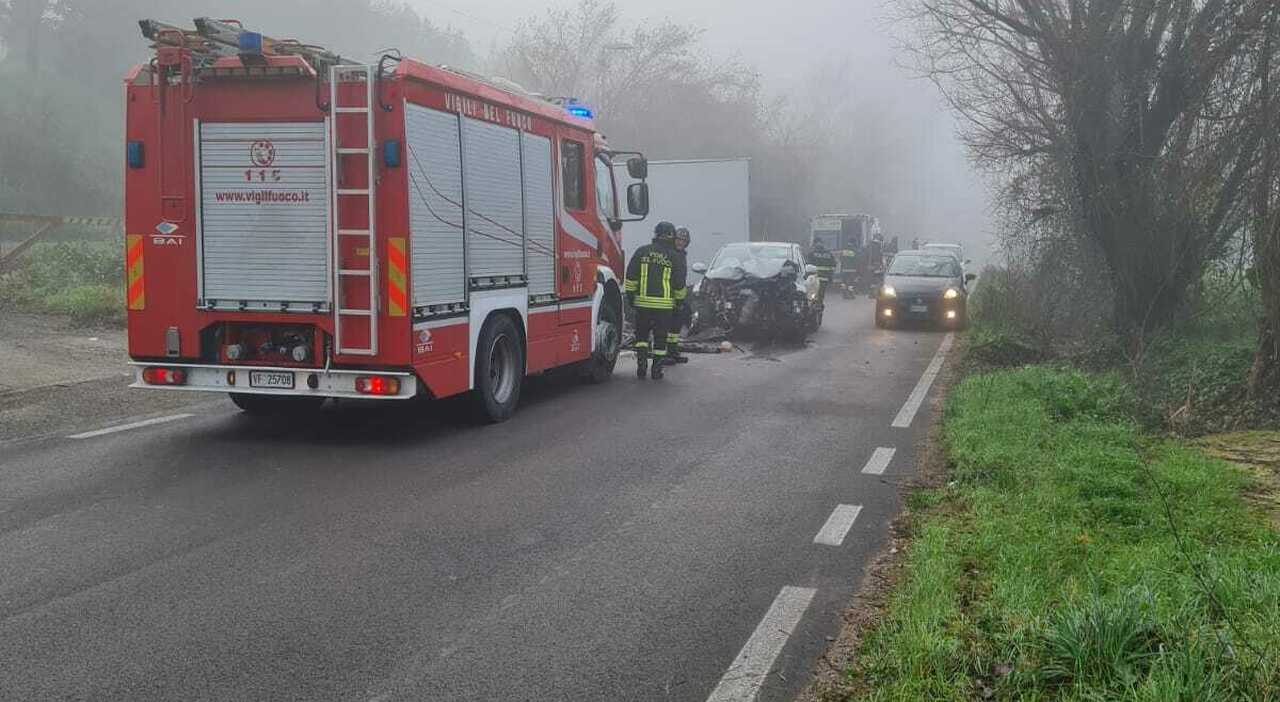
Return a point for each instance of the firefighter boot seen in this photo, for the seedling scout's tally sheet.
(673, 351)
(642, 363)
(658, 363)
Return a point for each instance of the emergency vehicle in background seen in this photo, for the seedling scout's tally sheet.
(300, 227)
(844, 235)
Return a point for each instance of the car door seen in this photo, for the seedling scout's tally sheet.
(807, 284)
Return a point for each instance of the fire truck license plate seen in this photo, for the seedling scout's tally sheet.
(270, 379)
(919, 308)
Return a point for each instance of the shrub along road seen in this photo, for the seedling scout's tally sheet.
(1075, 558)
(689, 539)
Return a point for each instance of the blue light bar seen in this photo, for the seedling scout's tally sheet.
(580, 111)
(251, 43)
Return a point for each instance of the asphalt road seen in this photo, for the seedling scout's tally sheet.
(613, 542)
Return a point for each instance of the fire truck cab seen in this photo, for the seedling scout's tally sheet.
(300, 227)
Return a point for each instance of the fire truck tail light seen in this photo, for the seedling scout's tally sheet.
(164, 376)
(377, 385)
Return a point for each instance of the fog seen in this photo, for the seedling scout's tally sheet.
(906, 164)
(813, 93)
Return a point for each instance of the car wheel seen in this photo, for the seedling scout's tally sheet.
(499, 370)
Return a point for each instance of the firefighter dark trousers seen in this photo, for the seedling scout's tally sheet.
(681, 316)
(655, 324)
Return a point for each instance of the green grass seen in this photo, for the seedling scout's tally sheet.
(80, 279)
(1047, 568)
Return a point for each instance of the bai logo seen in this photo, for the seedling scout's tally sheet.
(575, 342)
(425, 343)
(577, 276)
(167, 235)
(262, 153)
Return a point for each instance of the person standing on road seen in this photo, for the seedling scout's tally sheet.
(683, 313)
(655, 283)
(825, 261)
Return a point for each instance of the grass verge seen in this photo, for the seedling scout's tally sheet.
(80, 279)
(1047, 568)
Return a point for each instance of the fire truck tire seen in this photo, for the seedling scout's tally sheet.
(599, 368)
(267, 405)
(499, 370)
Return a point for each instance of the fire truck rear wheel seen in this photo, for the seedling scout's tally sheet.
(499, 370)
(599, 368)
(275, 405)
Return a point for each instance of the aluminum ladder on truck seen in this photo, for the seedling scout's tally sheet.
(346, 203)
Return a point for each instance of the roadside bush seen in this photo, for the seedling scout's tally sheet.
(82, 279)
(1101, 643)
(1193, 377)
(1050, 568)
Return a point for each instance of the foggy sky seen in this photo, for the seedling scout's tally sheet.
(789, 43)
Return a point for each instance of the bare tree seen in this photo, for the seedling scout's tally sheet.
(1264, 377)
(1139, 105)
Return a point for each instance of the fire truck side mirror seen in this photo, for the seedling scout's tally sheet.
(638, 198)
(638, 167)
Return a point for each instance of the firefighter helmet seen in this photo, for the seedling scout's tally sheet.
(664, 231)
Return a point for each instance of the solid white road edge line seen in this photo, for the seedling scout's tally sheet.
(837, 526)
(131, 425)
(879, 460)
(908, 411)
(747, 673)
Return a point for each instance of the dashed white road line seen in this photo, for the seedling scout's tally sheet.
(879, 460)
(838, 524)
(908, 411)
(131, 425)
(747, 673)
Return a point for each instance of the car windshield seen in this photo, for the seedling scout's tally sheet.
(949, 249)
(740, 255)
(940, 266)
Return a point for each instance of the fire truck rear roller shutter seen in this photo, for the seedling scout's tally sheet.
(495, 221)
(434, 162)
(264, 212)
(539, 208)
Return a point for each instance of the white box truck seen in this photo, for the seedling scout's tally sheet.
(712, 197)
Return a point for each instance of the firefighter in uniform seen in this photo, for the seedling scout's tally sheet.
(825, 261)
(683, 313)
(655, 283)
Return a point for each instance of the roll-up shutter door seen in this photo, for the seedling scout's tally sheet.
(539, 208)
(435, 206)
(264, 213)
(494, 222)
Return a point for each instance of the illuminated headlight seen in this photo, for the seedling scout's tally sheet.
(888, 291)
(951, 294)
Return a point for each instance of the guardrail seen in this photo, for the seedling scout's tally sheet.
(43, 224)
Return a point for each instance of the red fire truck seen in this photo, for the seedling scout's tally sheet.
(300, 227)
